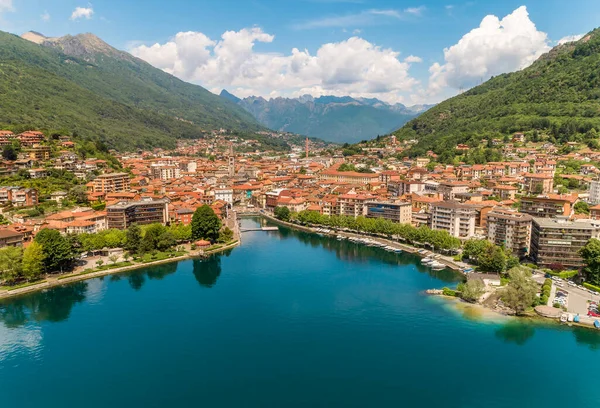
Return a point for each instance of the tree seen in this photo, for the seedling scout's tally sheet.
(520, 294)
(581, 207)
(225, 235)
(78, 194)
(152, 237)
(99, 262)
(591, 255)
(181, 232)
(205, 224)
(474, 248)
(133, 238)
(113, 259)
(472, 290)
(282, 213)
(494, 259)
(33, 261)
(11, 263)
(58, 252)
(9, 153)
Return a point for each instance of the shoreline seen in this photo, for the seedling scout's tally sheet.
(484, 312)
(67, 278)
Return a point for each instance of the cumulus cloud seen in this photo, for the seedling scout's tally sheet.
(570, 38)
(353, 67)
(496, 46)
(82, 13)
(413, 58)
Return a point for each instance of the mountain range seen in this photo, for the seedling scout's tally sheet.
(81, 85)
(557, 97)
(335, 119)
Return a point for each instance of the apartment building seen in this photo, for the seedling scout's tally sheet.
(594, 192)
(18, 196)
(458, 219)
(400, 212)
(147, 211)
(352, 177)
(39, 153)
(352, 204)
(111, 183)
(548, 206)
(224, 194)
(558, 240)
(401, 187)
(165, 172)
(510, 229)
(538, 183)
(449, 190)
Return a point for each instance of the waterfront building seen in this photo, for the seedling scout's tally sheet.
(147, 211)
(510, 229)
(400, 212)
(558, 240)
(458, 219)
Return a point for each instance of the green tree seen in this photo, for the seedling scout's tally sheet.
(11, 267)
(282, 213)
(521, 292)
(591, 255)
(472, 290)
(225, 235)
(181, 232)
(58, 252)
(205, 224)
(113, 259)
(581, 207)
(493, 260)
(78, 194)
(474, 248)
(9, 153)
(133, 238)
(152, 236)
(33, 261)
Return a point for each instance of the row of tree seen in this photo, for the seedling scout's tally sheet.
(489, 257)
(406, 232)
(51, 252)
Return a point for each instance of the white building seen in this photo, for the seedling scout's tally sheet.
(595, 192)
(458, 219)
(224, 194)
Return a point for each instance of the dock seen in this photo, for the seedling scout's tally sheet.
(259, 229)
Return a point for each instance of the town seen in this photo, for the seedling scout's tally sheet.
(540, 204)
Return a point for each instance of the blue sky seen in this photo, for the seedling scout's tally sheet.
(354, 47)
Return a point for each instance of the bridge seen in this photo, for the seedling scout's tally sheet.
(259, 229)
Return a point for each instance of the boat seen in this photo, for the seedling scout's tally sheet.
(563, 318)
(596, 324)
(426, 261)
(437, 266)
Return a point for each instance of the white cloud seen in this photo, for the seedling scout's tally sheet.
(413, 59)
(45, 16)
(365, 17)
(570, 38)
(417, 11)
(496, 46)
(6, 5)
(352, 67)
(82, 12)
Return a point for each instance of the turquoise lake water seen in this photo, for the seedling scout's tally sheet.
(288, 319)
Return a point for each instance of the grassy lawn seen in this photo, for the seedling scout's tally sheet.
(22, 285)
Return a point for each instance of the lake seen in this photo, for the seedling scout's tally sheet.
(289, 319)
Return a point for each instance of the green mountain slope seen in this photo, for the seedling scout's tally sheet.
(558, 96)
(80, 84)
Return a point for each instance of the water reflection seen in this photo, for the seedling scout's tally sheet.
(515, 332)
(207, 271)
(137, 279)
(52, 305)
(587, 337)
(359, 253)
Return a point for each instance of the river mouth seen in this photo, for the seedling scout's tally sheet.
(287, 319)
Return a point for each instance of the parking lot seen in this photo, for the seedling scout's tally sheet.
(578, 299)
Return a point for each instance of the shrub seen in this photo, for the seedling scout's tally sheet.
(449, 292)
(592, 287)
(544, 300)
(557, 305)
